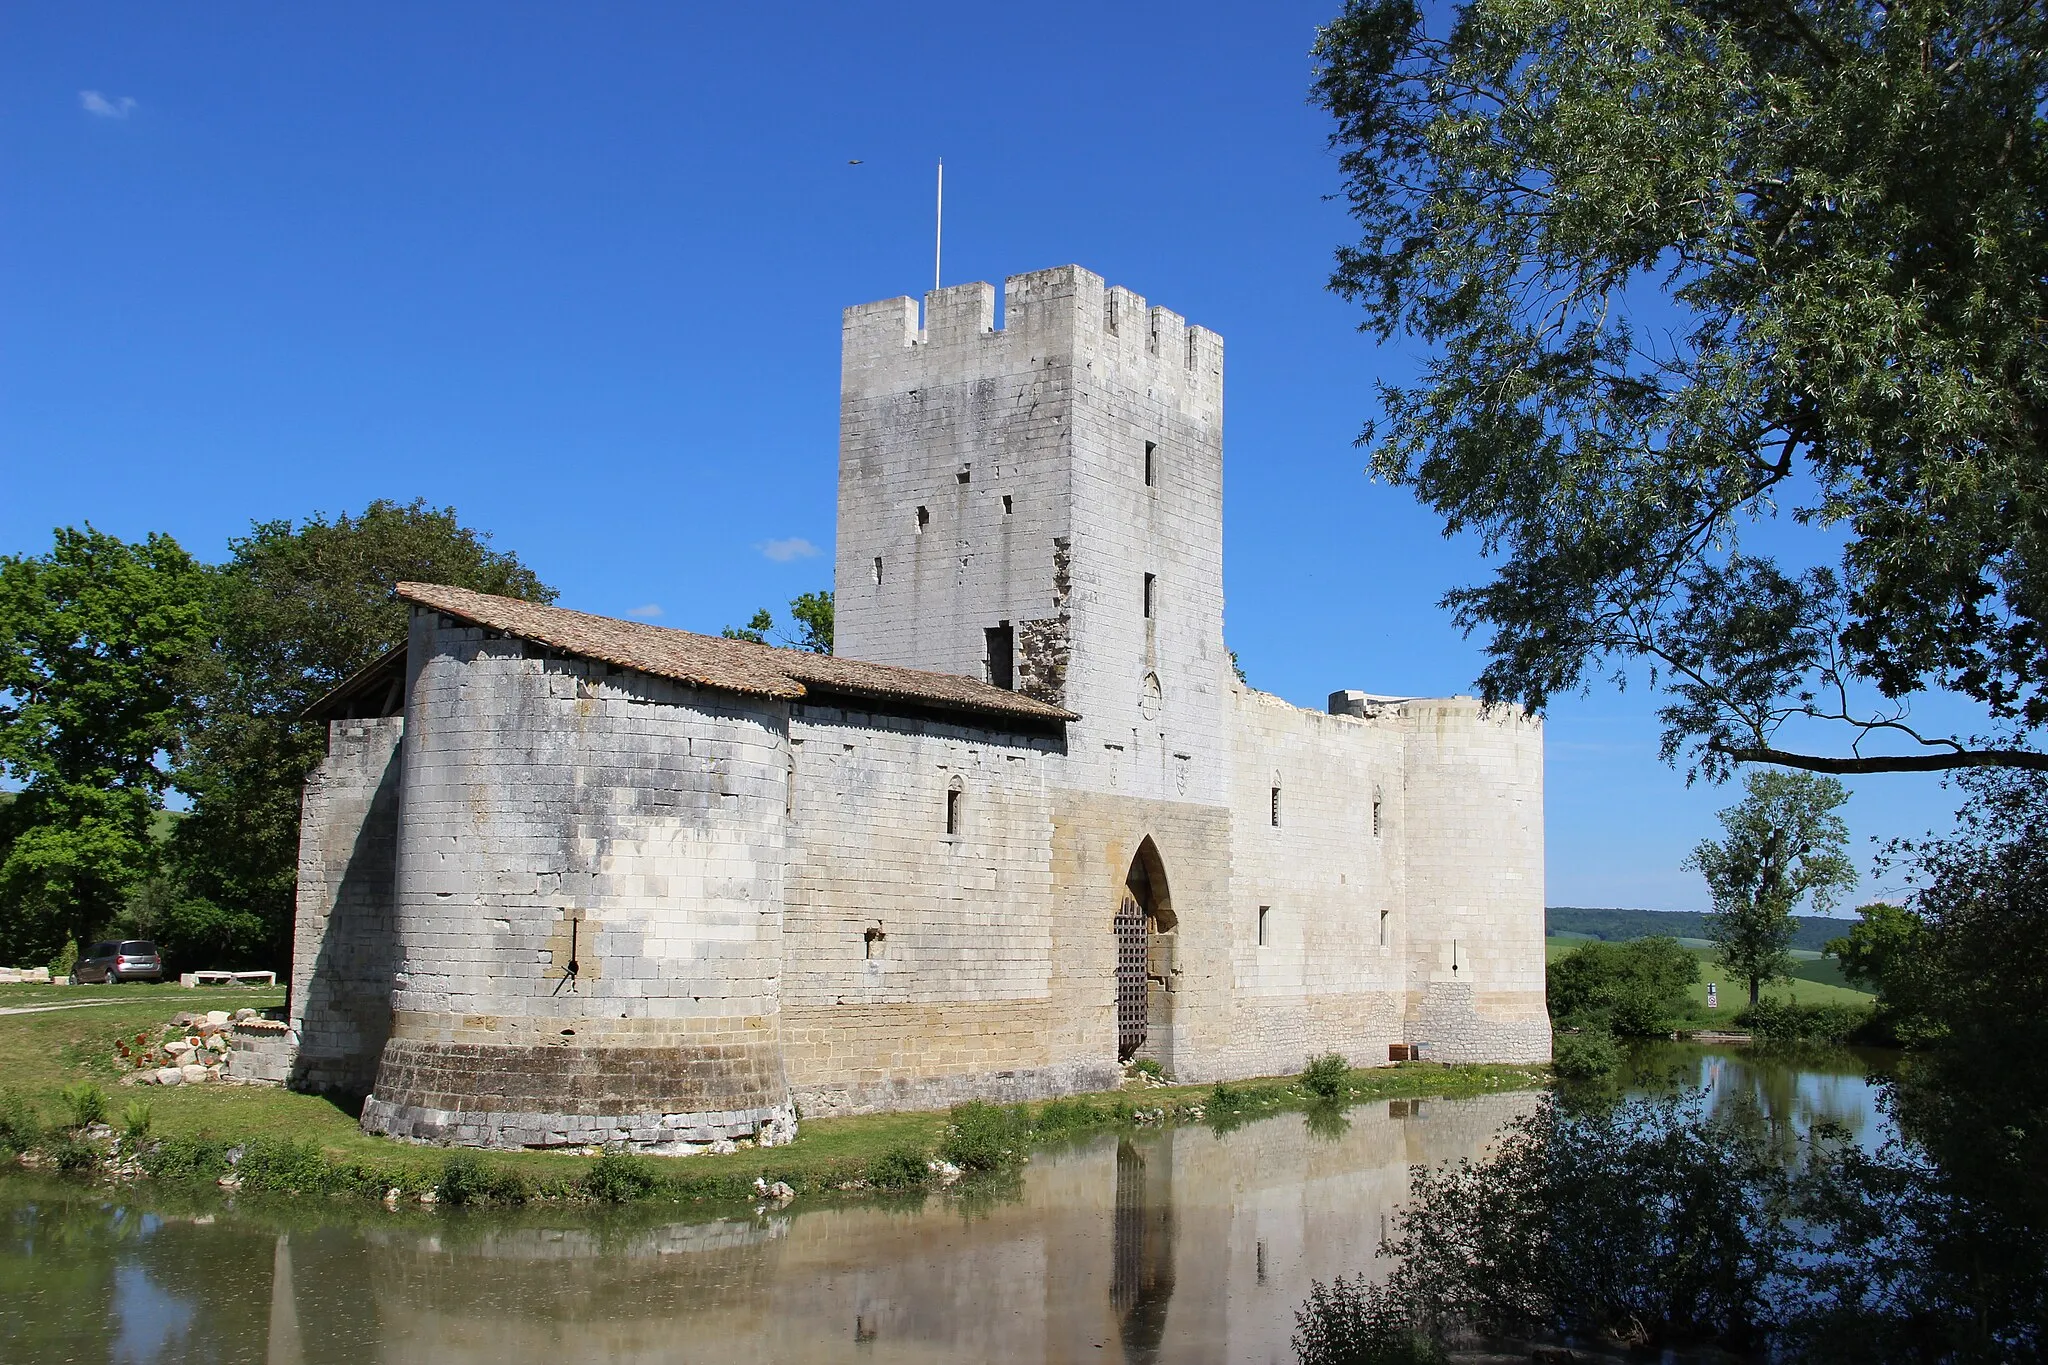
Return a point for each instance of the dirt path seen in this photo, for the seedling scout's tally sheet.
(67, 1005)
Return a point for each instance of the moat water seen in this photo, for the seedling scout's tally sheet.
(1183, 1245)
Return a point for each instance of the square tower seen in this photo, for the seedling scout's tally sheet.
(1041, 505)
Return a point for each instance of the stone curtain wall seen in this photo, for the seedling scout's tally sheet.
(344, 944)
(917, 964)
(1323, 981)
(1474, 810)
(546, 792)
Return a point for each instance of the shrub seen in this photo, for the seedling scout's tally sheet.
(86, 1102)
(1782, 1021)
(1352, 1322)
(903, 1168)
(616, 1178)
(135, 1121)
(1067, 1116)
(283, 1166)
(1148, 1066)
(20, 1126)
(1585, 1056)
(1635, 989)
(73, 1155)
(1224, 1101)
(467, 1178)
(65, 960)
(983, 1136)
(1324, 1076)
(190, 1159)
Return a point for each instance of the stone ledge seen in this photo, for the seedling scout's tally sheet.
(656, 1134)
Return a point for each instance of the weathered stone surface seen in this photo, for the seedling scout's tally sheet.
(848, 902)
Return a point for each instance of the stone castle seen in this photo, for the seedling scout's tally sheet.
(569, 880)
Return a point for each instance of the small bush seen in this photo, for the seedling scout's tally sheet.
(904, 1168)
(73, 1155)
(282, 1166)
(1148, 1066)
(135, 1121)
(1224, 1101)
(984, 1137)
(1585, 1056)
(1782, 1021)
(86, 1102)
(63, 962)
(187, 1159)
(1352, 1322)
(1067, 1116)
(1324, 1076)
(615, 1178)
(20, 1126)
(467, 1178)
(1637, 989)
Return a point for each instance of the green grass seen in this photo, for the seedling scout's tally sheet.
(312, 1139)
(1815, 980)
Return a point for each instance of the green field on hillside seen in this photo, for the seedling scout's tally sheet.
(1815, 980)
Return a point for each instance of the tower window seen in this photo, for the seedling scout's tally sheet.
(954, 796)
(1276, 805)
(924, 519)
(964, 475)
(1375, 815)
(1007, 509)
(1151, 584)
(1383, 928)
(1265, 917)
(878, 571)
(1001, 653)
(875, 940)
(1150, 448)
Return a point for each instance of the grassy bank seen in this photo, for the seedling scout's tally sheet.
(272, 1140)
(1815, 980)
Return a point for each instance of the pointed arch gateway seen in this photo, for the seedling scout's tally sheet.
(1144, 924)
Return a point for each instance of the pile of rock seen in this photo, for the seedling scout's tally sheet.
(18, 975)
(192, 1050)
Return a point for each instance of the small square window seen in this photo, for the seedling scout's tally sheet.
(964, 475)
(1265, 917)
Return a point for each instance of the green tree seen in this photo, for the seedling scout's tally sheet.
(1684, 268)
(93, 636)
(1782, 844)
(811, 614)
(1635, 989)
(1885, 953)
(297, 609)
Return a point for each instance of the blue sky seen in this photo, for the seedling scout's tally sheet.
(577, 271)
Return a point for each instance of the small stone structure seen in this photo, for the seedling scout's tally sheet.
(568, 880)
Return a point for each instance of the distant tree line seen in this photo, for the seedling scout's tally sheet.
(1810, 933)
(129, 670)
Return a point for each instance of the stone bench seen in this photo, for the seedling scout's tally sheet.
(228, 979)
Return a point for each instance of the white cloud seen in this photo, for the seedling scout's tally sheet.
(782, 551)
(648, 612)
(93, 102)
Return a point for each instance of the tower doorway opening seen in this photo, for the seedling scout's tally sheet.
(1145, 960)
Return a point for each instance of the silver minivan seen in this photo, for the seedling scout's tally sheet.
(132, 959)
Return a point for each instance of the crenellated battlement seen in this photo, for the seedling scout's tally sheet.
(1066, 314)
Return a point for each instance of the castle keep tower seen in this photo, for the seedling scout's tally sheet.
(1040, 505)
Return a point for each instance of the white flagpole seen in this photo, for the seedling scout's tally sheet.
(939, 224)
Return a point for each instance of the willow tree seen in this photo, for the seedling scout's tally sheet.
(1685, 271)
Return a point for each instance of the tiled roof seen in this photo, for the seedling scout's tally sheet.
(713, 661)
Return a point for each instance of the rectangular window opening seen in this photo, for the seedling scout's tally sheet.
(1276, 808)
(1001, 654)
(1375, 817)
(1383, 928)
(1150, 447)
(1007, 509)
(878, 571)
(1151, 584)
(1265, 915)
(924, 519)
(953, 795)
(964, 475)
